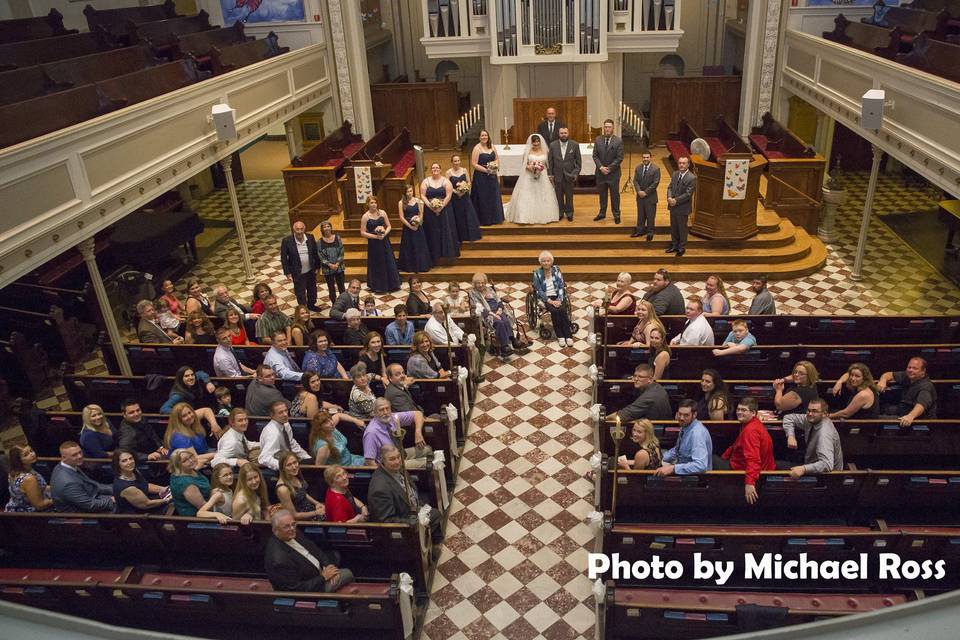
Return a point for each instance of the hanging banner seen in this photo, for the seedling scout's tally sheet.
(735, 179)
(363, 183)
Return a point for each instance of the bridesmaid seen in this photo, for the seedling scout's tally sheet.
(382, 274)
(439, 226)
(468, 227)
(414, 250)
(486, 188)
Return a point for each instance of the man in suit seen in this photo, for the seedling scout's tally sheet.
(391, 500)
(294, 563)
(565, 162)
(549, 129)
(223, 302)
(680, 202)
(299, 257)
(396, 392)
(74, 491)
(149, 329)
(646, 179)
(349, 299)
(607, 156)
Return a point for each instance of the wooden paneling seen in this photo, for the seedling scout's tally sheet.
(528, 113)
(427, 109)
(698, 99)
(719, 219)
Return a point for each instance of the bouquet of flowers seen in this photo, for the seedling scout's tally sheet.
(462, 188)
(380, 231)
(415, 221)
(493, 166)
(436, 204)
(537, 168)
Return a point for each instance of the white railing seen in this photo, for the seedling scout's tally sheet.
(467, 121)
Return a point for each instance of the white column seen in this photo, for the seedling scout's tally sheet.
(350, 54)
(867, 212)
(227, 164)
(109, 320)
(294, 142)
(759, 61)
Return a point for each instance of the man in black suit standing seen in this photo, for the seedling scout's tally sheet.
(680, 202)
(299, 257)
(607, 155)
(564, 163)
(646, 179)
(294, 563)
(549, 129)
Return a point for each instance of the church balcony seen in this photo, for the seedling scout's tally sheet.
(549, 31)
(66, 186)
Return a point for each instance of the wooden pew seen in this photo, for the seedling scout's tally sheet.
(678, 142)
(199, 45)
(25, 366)
(33, 118)
(61, 338)
(875, 39)
(401, 159)
(229, 58)
(33, 52)
(62, 590)
(159, 34)
(365, 156)
(116, 20)
(25, 83)
(38, 28)
(724, 139)
(79, 303)
(913, 22)
(139, 86)
(934, 57)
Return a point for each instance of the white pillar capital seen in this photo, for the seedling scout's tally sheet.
(227, 163)
(86, 249)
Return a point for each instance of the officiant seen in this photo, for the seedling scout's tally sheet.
(549, 129)
(564, 166)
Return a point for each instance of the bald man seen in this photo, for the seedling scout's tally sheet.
(299, 258)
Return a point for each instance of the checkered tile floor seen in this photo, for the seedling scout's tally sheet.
(513, 563)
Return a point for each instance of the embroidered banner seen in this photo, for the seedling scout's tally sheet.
(735, 179)
(363, 183)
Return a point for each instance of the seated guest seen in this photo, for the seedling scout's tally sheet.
(370, 307)
(190, 489)
(714, 402)
(356, 331)
(262, 392)
(137, 436)
(280, 359)
(456, 301)
(361, 396)
(189, 386)
(292, 490)
(220, 504)
(715, 302)
(858, 393)
(329, 445)
(648, 456)
(400, 331)
(349, 299)
(423, 362)
(307, 403)
(28, 489)
(233, 322)
(149, 329)
(261, 291)
(693, 452)
(664, 295)
(697, 330)
(277, 437)
(225, 362)
(167, 320)
(171, 299)
(301, 326)
(74, 491)
(762, 304)
(392, 498)
(98, 438)
(647, 321)
(444, 331)
(250, 495)
(224, 401)
(197, 300)
(320, 359)
(621, 298)
(271, 321)
(651, 402)
(294, 563)
(823, 452)
(417, 303)
(233, 448)
(804, 379)
(396, 392)
(497, 316)
(340, 503)
(131, 491)
(223, 302)
(751, 452)
(919, 398)
(380, 431)
(199, 330)
(373, 357)
(184, 431)
(549, 288)
(660, 354)
(739, 340)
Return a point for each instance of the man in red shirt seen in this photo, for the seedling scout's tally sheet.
(751, 452)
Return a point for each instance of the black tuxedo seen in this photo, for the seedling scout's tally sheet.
(682, 190)
(544, 130)
(304, 284)
(647, 181)
(564, 169)
(608, 153)
(288, 570)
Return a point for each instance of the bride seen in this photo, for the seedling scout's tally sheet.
(534, 200)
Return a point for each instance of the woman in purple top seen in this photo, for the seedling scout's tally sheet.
(321, 359)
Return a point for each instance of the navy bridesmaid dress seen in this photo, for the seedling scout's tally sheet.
(382, 274)
(468, 227)
(414, 250)
(440, 229)
(486, 193)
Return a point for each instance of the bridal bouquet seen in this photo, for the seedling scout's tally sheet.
(462, 188)
(537, 168)
(493, 166)
(436, 204)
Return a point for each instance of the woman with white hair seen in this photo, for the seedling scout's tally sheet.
(549, 288)
(622, 300)
(496, 316)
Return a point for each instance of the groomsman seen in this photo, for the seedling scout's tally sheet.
(565, 163)
(607, 156)
(646, 179)
(680, 202)
(549, 129)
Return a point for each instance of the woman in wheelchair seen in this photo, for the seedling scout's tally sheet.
(497, 317)
(549, 289)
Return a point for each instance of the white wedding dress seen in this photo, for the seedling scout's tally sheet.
(534, 200)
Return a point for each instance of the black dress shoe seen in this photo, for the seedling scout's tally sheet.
(616, 219)
(671, 250)
(313, 307)
(649, 237)
(680, 252)
(636, 234)
(600, 216)
(570, 217)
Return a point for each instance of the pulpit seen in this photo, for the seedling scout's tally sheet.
(715, 217)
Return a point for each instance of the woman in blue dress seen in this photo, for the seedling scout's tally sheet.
(486, 188)
(438, 223)
(414, 250)
(468, 227)
(382, 274)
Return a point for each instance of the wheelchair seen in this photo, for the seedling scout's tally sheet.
(539, 318)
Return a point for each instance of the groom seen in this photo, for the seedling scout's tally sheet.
(564, 162)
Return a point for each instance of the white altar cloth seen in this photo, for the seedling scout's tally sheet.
(512, 158)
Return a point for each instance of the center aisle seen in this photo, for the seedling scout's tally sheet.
(514, 559)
